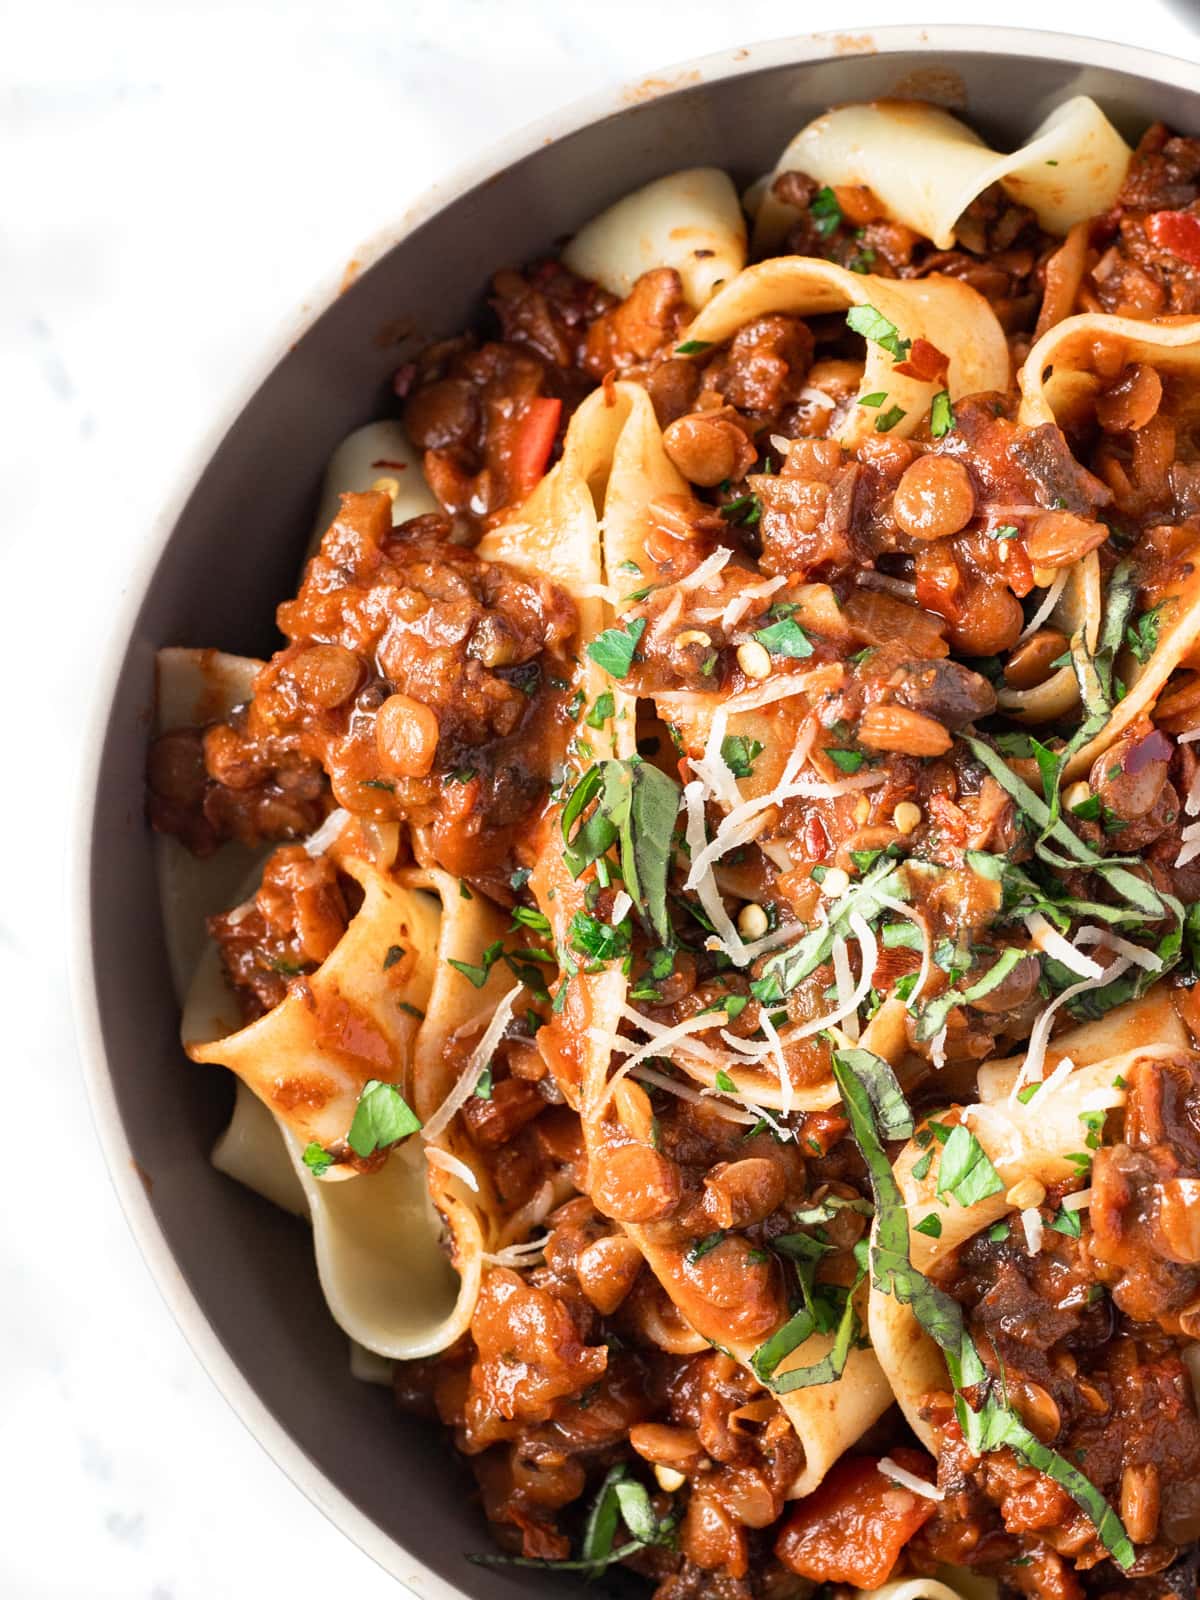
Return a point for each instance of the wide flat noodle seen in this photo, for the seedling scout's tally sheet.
(1023, 1140)
(309, 1059)
(926, 166)
(378, 1240)
(1062, 376)
(689, 220)
(378, 455)
(943, 311)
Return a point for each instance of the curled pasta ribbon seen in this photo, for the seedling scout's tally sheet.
(377, 456)
(1023, 1141)
(943, 311)
(926, 166)
(689, 220)
(378, 1239)
(1062, 377)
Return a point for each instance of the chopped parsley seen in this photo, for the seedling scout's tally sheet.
(873, 325)
(381, 1117)
(745, 511)
(317, 1159)
(887, 420)
(614, 649)
(692, 347)
(604, 708)
(483, 1085)
(965, 1172)
(846, 760)
(825, 212)
(598, 940)
(1141, 635)
(701, 1247)
(786, 639)
(740, 753)
(941, 414)
(478, 975)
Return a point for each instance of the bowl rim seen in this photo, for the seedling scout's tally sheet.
(187, 1311)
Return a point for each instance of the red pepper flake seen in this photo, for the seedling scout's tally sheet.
(925, 361)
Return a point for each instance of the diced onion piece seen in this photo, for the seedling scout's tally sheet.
(1079, 1201)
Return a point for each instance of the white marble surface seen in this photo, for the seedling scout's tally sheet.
(173, 178)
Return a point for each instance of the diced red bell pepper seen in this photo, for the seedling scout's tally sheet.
(1176, 231)
(854, 1526)
(534, 442)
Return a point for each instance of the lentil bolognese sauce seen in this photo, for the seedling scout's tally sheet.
(735, 835)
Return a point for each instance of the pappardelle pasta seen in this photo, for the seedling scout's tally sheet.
(702, 910)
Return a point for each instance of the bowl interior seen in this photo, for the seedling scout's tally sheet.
(233, 555)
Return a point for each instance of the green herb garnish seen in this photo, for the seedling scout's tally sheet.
(614, 649)
(875, 326)
(381, 1117)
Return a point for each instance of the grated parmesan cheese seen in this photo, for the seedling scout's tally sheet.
(517, 1255)
(1039, 1038)
(1031, 1221)
(621, 907)
(1146, 959)
(909, 1480)
(469, 1077)
(659, 1080)
(1048, 604)
(1046, 937)
(438, 1157)
(318, 843)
